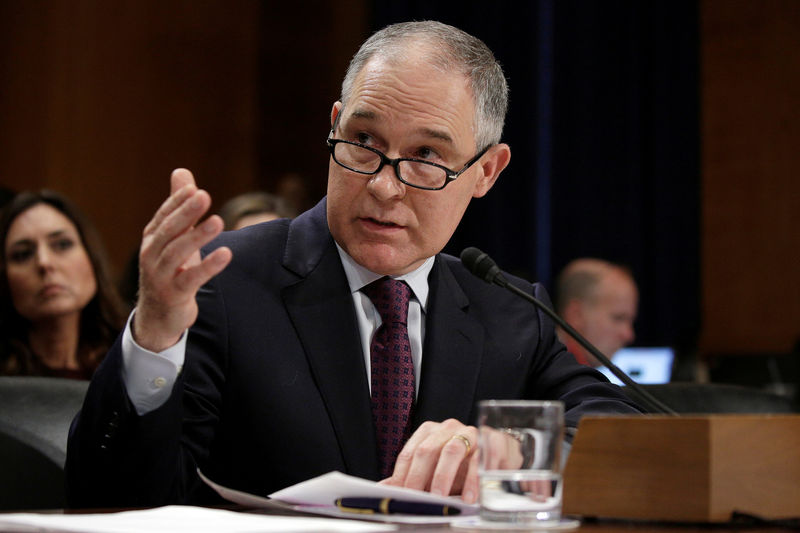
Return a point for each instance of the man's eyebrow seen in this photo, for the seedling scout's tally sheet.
(368, 115)
(427, 132)
(438, 134)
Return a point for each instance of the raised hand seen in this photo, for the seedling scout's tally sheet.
(170, 268)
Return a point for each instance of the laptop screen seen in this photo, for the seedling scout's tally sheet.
(643, 365)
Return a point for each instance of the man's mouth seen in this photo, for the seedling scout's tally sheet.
(382, 223)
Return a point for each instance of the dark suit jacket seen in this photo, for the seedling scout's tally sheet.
(274, 390)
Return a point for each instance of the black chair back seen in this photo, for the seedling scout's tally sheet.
(717, 398)
(35, 415)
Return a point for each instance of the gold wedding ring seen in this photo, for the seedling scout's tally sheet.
(465, 440)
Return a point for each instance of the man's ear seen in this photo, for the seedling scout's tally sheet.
(491, 165)
(337, 107)
(573, 314)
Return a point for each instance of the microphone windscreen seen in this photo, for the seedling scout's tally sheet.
(479, 264)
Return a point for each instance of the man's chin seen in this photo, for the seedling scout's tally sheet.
(384, 260)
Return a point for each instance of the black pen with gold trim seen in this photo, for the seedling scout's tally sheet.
(392, 506)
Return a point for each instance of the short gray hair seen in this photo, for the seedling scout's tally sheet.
(452, 50)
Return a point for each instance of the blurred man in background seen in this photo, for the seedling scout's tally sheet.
(600, 300)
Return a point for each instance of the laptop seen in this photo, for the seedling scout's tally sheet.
(643, 365)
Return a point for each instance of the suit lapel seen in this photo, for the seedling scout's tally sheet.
(321, 309)
(451, 357)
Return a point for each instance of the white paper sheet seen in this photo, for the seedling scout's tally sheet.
(318, 495)
(179, 519)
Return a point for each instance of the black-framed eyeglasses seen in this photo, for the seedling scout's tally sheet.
(414, 172)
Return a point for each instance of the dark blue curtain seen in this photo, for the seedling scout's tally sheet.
(603, 127)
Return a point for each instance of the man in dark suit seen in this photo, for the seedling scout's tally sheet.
(273, 382)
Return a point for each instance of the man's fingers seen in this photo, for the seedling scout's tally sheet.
(494, 448)
(170, 268)
(469, 493)
(420, 471)
(179, 178)
(436, 458)
(406, 455)
(196, 276)
(455, 452)
(169, 205)
(182, 252)
(182, 189)
(439, 457)
(184, 216)
(169, 227)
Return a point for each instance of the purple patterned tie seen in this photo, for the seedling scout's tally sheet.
(392, 370)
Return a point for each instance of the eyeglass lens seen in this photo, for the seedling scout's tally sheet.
(414, 172)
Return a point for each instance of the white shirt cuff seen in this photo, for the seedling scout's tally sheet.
(149, 376)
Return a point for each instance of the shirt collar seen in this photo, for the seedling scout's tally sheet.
(359, 277)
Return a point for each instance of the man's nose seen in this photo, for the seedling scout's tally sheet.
(385, 185)
(628, 335)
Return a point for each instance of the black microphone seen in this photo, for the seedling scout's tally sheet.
(486, 269)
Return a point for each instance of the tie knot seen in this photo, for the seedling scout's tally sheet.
(390, 297)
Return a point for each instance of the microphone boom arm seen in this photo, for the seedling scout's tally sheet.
(485, 268)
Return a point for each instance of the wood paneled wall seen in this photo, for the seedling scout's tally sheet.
(751, 175)
(101, 100)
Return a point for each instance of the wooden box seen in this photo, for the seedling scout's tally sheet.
(687, 469)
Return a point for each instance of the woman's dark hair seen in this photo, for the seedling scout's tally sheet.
(101, 319)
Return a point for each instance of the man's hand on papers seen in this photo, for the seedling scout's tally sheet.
(440, 457)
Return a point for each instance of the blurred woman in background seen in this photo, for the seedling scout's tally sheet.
(59, 311)
(253, 208)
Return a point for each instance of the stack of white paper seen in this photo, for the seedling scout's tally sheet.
(179, 519)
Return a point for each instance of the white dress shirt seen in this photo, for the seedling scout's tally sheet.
(149, 376)
(369, 320)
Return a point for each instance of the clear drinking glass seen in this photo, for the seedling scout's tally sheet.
(521, 444)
